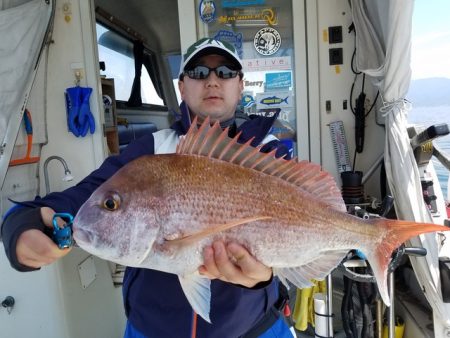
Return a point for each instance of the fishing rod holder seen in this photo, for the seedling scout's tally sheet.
(422, 145)
(422, 142)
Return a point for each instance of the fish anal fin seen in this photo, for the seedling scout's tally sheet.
(198, 292)
(211, 141)
(318, 269)
(193, 238)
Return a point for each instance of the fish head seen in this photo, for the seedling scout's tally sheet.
(118, 223)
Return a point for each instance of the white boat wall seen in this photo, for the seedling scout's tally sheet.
(80, 295)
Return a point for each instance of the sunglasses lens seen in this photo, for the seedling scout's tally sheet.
(224, 72)
(202, 72)
(198, 73)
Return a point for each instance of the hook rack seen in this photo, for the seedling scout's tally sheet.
(8, 303)
(77, 78)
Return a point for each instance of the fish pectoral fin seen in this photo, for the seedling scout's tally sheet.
(317, 269)
(197, 291)
(193, 238)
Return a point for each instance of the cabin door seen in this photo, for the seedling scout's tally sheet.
(269, 35)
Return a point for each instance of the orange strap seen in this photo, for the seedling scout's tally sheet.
(194, 324)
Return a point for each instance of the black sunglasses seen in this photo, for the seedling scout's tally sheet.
(202, 72)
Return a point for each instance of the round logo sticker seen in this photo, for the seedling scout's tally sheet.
(267, 41)
(207, 10)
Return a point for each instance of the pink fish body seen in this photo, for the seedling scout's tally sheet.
(160, 211)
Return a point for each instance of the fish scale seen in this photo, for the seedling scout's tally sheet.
(289, 215)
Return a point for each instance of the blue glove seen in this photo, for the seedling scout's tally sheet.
(85, 116)
(79, 116)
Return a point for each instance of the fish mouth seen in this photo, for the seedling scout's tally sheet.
(83, 236)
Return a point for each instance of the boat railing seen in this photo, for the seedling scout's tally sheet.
(425, 149)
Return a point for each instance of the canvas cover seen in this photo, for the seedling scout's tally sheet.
(383, 45)
(23, 28)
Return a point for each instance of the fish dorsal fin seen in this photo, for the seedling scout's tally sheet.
(213, 142)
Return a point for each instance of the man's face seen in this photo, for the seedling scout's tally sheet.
(213, 97)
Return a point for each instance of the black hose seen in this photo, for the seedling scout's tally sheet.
(347, 309)
(365, 299)
(344, 313)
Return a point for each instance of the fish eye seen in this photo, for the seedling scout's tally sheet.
(111, 202)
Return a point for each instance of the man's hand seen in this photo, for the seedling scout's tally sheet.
(35, 249)
(233, 263)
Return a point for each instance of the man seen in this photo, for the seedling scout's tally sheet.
(243, 291)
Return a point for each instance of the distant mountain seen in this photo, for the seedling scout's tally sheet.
(429, 92)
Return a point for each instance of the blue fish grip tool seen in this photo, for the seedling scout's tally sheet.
(63, 236)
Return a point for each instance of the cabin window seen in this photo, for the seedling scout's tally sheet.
(174, 62)
(116, 52)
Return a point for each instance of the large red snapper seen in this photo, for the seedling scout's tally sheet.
(160, 211)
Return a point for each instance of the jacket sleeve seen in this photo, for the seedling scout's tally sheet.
(26, 215)
(281, 149)
(257, 128)
(14, 225)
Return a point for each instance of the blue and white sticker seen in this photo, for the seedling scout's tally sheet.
(241, 3)
(267, 41)
(207, 10)
(279, 99)
(247, 101)
(232, 38)
(279, 80)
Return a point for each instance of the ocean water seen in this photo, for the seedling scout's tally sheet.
(427, 116)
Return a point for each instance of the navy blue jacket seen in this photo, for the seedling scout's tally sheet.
(154, 301)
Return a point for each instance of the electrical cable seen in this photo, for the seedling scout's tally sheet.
(373, 104)
(360, 118)
(352, 63)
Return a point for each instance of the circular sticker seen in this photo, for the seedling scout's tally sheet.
(267, 41)
(207, 10)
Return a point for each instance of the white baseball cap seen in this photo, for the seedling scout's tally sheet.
(207, 46)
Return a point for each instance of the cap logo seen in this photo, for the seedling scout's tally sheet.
(206, 43)
(210, 43)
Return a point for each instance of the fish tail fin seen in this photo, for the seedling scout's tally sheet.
(396, 232)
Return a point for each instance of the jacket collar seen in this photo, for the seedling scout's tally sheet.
(257, 126)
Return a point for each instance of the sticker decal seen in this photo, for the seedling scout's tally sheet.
(232, 38)
(267, 112)
(272, 100)
(267, 41)
(250, 16)
(248, 83)
(241, 3)
(247, 101)
(279, 80)
(207, 10)
(267, 64)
